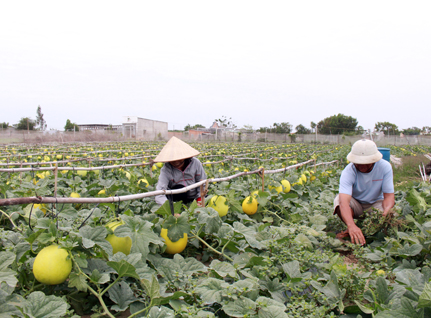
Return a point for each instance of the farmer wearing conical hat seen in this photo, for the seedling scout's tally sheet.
(365, 183)
(181, 169)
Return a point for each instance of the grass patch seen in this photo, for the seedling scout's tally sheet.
(408, 173)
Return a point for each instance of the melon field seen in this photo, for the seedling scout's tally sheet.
(81, 235)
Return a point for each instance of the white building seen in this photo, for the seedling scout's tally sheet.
(145, 129)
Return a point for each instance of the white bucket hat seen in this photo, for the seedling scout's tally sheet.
(175, 149)
(364, 152)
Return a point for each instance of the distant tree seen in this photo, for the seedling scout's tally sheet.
(40, 122)
(248, 128)
(26, 123)
(277, 128)
(412, 131)
(387, 127)
(188, 127)
(4, 125)
(337, 124)
(70, 126)
(313, 126)
(426, 130)
(282, 128)
(302, 130)
(225, 122)
(360, 129)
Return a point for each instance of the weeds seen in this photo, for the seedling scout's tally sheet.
(408, 173)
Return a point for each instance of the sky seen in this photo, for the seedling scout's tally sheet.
(191, 62)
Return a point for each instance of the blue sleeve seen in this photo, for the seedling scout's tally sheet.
(347, 180)
(388, 180)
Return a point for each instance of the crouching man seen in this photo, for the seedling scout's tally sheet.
(365, 183)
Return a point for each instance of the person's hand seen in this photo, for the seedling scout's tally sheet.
(356, 235)
(388, 211)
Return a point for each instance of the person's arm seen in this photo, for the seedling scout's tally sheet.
(200, 175)
(162, 184)
(346, 214)
(388, 202)
(388, 190)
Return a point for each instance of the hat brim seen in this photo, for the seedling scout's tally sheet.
(364, 160)
(176, 149)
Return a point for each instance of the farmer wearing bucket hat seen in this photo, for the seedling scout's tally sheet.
(181, 169)
(365, 183)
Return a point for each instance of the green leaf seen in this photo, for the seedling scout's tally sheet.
(425, 297)
(152, 289)
(46, 238)
(223, 268)
(295, 217)
(272, 312)
(95, 236)
(210, 290)
(106, 183)
(7, 275)
(38, 305)
(167, 299)
(9, 303)
(122, 295)
(364, 309)
(248, 233)
(408, 250)
(414, 198)
(411, 278)
(123, 268)
(161, 312)
(291, 269)
(240, 307)
(190, 265)
(141, 233)
(275, 288)
(78, 281)
(303, 240)
(210, 219)
(176, 227)
(99, 278)
(165, 209)
(331, 289)
(382, 292)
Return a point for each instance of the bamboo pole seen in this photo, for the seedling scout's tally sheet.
(27, 200)
(55, 181)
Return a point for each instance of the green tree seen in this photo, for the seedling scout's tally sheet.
(188, 127)
(412, 131)
(277, 128)
(302, 130)
(26, 123)
(40, 122)
(313, 126)
(426, 130)
(4, 125)
(70, 126)
(337, 124)
(387, 127)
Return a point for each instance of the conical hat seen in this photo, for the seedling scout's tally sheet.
(175, 149)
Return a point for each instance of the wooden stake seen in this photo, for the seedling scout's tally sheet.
(56, 181)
